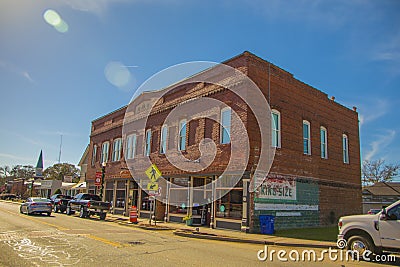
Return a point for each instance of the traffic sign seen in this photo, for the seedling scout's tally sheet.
(97, 181)
(153, 173)
(152, 186)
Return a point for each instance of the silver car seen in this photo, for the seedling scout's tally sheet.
(36, 205)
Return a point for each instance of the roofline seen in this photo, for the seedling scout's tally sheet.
(102, 117)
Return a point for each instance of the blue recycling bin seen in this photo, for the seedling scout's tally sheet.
(267, 224)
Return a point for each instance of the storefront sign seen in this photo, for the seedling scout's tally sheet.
(278, 187)
(280, 207)
(46, 184)
(67, 179)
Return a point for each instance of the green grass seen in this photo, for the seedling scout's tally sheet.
(319, 234)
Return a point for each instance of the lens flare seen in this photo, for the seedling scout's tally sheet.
(52, 17)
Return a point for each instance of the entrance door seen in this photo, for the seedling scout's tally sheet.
(389, 228)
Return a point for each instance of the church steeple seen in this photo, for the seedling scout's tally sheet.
(39, 166)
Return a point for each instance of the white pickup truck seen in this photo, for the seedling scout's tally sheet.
(376, 233)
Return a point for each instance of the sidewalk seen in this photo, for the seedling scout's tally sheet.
(221, 234)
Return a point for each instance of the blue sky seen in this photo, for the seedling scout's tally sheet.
(55, 83)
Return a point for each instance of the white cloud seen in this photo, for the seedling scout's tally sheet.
(382, 142)
(370, 111)
(16, 70)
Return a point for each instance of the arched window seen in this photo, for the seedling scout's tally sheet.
(182, 135)
(147, 143)
(163, 139)
(345, 142)
(130, 146)
(306, 137)
(324, 142)
(276, 128)
(117, 145)
(225, 129)
(104, 152)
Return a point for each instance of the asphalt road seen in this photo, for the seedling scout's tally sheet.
(62, 240)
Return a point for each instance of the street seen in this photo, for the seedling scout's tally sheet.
(62, 240)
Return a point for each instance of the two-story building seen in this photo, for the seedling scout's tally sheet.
(314, 177)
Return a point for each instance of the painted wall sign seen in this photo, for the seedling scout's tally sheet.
(278, 187)
(271, 206)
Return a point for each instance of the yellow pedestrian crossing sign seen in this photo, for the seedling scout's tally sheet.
(152, 186)
(153, 173)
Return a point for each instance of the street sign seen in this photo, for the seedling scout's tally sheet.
(152, 186)
(153, 193)
(153, 173)
(97, 181)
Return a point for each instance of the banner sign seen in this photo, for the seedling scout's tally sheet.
(278, 187)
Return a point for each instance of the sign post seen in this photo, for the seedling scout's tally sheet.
(153, 173)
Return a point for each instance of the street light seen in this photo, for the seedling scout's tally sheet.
(103, 172)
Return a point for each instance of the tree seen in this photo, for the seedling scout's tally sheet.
(23, 171)
(378, 171)
(59, 170)
(5, 171)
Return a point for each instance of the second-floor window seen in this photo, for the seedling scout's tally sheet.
(104, 152)
(117, 145)
(276, 128)
(306, 138)
(163, 139)
(345, 141)
(94, 155)
(147, 143)
(225, 126)
(182, 135)
(324, 143)
(130, 146)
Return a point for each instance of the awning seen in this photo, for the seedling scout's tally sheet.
(81, 185)
(67, 186)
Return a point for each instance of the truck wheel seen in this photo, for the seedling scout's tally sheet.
(82, 212)
(360, 244)
(69, 212)
(103, 216)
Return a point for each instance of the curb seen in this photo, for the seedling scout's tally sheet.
(248, 241)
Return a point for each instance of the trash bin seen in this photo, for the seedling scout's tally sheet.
(267, 224)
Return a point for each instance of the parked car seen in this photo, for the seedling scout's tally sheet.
(374, 232)
(88, 204)
(374, 211)
(60, 202)
(36, 205)
(7, 196)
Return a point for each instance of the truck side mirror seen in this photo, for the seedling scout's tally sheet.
(383, 216)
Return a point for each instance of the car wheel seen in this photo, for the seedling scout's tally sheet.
(103, 216)
(20, 210)
(49, 214)
(360, 244)
(82, 212)
(69, 210)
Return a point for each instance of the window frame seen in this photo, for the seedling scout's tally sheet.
(224, 128)
(115, 156)
(276, 133)
(131, 141)
(163, 139)
(94, 155)
(147, 142)
(324, 144)
(105, 154)
(182, 137)
(308, 152)
(345, 148)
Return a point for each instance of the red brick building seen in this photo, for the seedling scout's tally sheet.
(314, 178)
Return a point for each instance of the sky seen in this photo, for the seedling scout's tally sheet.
(58, 61)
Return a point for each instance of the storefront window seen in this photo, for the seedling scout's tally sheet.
(231, 204)
(147, 204)
(109, 191)
(120, 195)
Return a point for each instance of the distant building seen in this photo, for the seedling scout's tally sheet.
(380, 195)
(317, 159)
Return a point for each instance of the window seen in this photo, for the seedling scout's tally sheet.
(148, 143)
(116, 155)
(306, 138)
(276, 128)
(163, 139)
(324, 143)
(182, 135)
(345, 149)
(225, 126)
(104, 152)
(94, 155)
(130, 146)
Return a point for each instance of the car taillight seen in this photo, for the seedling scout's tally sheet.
(59, 202)
(340, 224)
(88, 204)
(49, 204)
(33, 204)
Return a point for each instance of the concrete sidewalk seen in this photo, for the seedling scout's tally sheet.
(181, 229)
